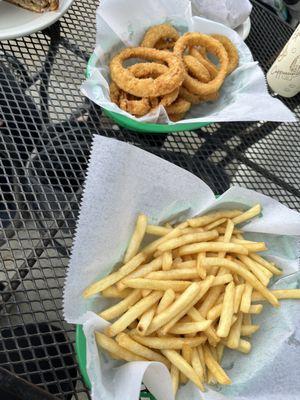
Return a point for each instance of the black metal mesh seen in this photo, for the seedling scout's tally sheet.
(46, 131)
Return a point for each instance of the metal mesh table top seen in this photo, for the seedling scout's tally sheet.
(46, 131)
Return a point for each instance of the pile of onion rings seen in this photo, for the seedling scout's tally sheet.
(175, 71)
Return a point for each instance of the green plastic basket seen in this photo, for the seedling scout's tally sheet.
(143, 127)
(80, 347)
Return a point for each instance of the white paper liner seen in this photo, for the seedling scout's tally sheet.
(123, 181)
(244, 95)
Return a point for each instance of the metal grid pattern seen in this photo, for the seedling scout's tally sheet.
(46, 130)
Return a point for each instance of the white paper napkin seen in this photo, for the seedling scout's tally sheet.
(244, 95)
(123, 181)
(231, 13)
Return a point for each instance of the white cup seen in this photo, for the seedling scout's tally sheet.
(284, 75)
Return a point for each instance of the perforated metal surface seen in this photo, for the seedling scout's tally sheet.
(46, 132)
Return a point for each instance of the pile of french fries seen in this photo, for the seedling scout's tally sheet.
(187, 295)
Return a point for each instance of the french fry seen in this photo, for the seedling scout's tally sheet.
(119, 308)
(244, 273)
(251, 246)
(213, 247)
(112, 346)
(211, 380)
(201, 271)
(202, 360)
(227, 311)
(174, 378)
(184, 264)
(146, 320)
(196, 364)
(114, 277)
(183, 301)
(246, 299)
(185, 231)
(266, 264)
(142, 271)
(209, 218)
(134, 312)
(152, 247)
(212, 296)
(253, 212)
(136, 238)
(215, 224)
(174, 274)
(170, 342)
(183, 367)
(183, 328)
(186, 239)
(166, 300)
(210, 300)
(146, 292)
(220, 351)
(234, 336)
(215, 367)
(256, 269)
(186, 353)
(195, 315)
(214, 312)
(204, 286)
(114, 293)
(244, 346)
(256, 309)
(155, 284)
(157, 230)
(167, 260)
(248, 330)
(279, 294)
(221, 280)
(239, 290)
(128, 343)
(227, 236)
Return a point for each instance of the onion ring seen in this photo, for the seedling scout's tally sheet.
(213, 46)
(196, 69)
(179, 106)
(138, 107)
(196, 99)
(231, 50)
(188, 96)
(153, 70)
(114, 93)
(148, 87)
(163, 44)
(148, 70)
(176, 117)
(157, 33)
(210, 66)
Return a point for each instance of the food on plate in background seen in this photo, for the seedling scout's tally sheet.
(37, 5)
(187, 295)
(180, 72)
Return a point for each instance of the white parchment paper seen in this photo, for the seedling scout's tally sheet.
(231, 13)
(123, 181)
(244, 95)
